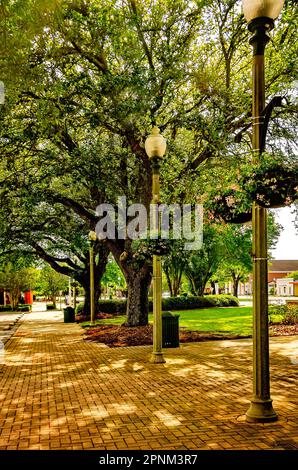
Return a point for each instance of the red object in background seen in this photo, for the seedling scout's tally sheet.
(28, 297)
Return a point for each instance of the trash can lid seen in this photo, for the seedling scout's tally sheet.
(169, 314)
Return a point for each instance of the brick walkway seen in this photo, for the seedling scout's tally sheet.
(60, 392)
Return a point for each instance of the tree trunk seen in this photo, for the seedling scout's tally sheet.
(177, 284)
(137, 297)
(169, 282)
(14, 297)
(235, 286)
(87, 304)
(54, 300)
(100, 262)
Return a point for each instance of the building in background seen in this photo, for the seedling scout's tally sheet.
(278, 283)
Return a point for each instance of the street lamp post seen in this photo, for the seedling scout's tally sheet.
(155, 147)
(260, 15)
(92, 238)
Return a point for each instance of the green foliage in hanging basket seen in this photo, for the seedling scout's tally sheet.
(230, 206)
(146, 248)
(270, 183)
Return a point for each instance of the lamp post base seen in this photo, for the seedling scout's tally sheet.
(261, 411)
(157, 358)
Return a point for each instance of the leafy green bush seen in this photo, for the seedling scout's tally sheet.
(185, 303)
(106, 306)
(51, 307)
(284, 314)
(224, 300)
(291, 315)
(170, 303)
(24, 308)
(277, 309)
(5, 308)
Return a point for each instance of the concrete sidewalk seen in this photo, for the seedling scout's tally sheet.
(8, 325)
(60, 392)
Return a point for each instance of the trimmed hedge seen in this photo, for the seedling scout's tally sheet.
(20, 308)
(24, 308)
(170, 303)
(5, 308)
(51, 307)
(193, 302)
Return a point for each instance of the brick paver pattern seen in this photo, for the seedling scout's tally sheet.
(58, 391)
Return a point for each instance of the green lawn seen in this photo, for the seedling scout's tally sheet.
(235, 320)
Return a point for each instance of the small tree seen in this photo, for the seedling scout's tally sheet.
(51, 283)
(236, 263)
(113, 275)
(204, 263)
(173, 265)
(16, 278)
(293, 275)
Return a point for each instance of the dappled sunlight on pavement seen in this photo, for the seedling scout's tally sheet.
(58, 391)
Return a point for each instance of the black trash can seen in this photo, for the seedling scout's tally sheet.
(170, 330)
(69, 315)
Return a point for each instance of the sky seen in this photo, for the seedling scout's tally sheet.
(287, 245)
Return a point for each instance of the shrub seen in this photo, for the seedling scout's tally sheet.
(24, 308)
(79, 308)
(170, 303)
(185, 303)
(287, 314)
(107, 306)
(51, 307)
(5, 308)
(224, 300)
(291, 315)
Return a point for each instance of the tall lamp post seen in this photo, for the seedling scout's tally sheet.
(155, 147)
(92, 239)
(260, 15)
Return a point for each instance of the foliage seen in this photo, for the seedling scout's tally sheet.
(173, 265)
(293, 275)
(113, 275)
(51, 283)
(51, 307)
(171, 303)
(287, 314)
(146, 248)
(202, 264)
(236, 263)
(85, 84)
(291, 315)
(107, 306)
(193, 302)
(273, 182)
(24, 308)
(15, 277)
(5, 308)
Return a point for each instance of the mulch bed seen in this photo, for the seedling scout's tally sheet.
(283, 330)
(98, 316)
(116, 336)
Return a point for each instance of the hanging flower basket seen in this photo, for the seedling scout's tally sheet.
(148, 247)
(270, 184)
(230, 206)
(276, 186)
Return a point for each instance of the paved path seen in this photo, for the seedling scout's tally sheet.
(60, 392)
(8, 326)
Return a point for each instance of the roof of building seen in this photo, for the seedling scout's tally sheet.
(282, 266)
